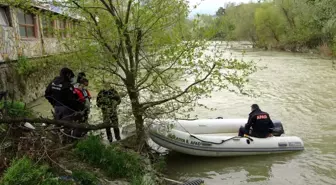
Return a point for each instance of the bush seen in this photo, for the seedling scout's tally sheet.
(159, 164)
(138, 180)
(23, 171)
(15, 109)
(85, 178)
(112, 159)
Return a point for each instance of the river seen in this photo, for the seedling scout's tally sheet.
(299, 90)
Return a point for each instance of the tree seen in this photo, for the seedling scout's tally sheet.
(144, 48)
(269, 25)
(220, 11)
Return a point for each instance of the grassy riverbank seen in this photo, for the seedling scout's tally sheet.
(89, 162)
(38, 157)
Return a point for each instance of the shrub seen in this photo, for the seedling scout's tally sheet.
(23, 171)
(15, 109)
(112, 159)
(85, 178)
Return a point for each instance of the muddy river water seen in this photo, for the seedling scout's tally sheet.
(299, 90)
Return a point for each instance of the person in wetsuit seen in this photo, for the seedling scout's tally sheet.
(260, 122)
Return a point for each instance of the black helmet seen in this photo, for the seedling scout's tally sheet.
(255, 106)
(80, 76)
(67, 73)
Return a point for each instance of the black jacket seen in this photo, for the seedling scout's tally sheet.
(60, 92)
(260, 122)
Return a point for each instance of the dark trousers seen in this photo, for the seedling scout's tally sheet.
(65, 114)
(110, 116)
(116, 131)
(241, 131)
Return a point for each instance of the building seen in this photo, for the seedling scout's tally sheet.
(33, 34)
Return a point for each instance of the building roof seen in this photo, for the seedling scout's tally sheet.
(58, 10)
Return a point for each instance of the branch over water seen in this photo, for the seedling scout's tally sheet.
(67, 124)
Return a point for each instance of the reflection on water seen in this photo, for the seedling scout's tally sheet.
(229, 169)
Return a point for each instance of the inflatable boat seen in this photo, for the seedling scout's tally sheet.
(219, 137)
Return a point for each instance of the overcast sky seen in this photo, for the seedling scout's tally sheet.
(211, 6)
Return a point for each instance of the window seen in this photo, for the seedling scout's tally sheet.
(70, 28)
(4, 16)
(75, 27)
(48, 27)
(61, 28)
(27, 24)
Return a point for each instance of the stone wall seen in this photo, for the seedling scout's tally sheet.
(25, 65)
(29, 83)
(12, 45)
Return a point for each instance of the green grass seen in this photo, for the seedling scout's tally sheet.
(23, 171)
(116, 162)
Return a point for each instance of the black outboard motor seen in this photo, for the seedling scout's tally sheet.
(278, 128)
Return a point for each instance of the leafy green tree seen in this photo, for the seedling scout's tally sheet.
(269, 25)
(220, 11)
(142, 47)
(280, 23)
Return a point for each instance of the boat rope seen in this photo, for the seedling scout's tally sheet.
(223, 141)
(249, 138)
(61, 103)
(74, 111)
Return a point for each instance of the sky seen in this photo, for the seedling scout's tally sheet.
(211, 6)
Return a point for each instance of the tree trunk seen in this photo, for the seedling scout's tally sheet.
(137, 111)
(138, 116)
(140, 131)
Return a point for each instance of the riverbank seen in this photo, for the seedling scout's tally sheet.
(39, 152)
(323, 51)
(88, 162)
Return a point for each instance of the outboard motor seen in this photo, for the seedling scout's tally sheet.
(278, 128)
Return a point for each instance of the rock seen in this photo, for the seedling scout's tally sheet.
(68, 171)
(117, 182)
(30, 126)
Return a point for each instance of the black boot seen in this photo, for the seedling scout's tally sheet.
(116, 131)
(109, 134)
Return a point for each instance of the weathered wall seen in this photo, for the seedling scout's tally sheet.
(24, 68)
(7, 44)
(26, 80)
(12, 45)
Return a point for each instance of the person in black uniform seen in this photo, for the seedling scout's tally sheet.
(260, 122)
(61, 95)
